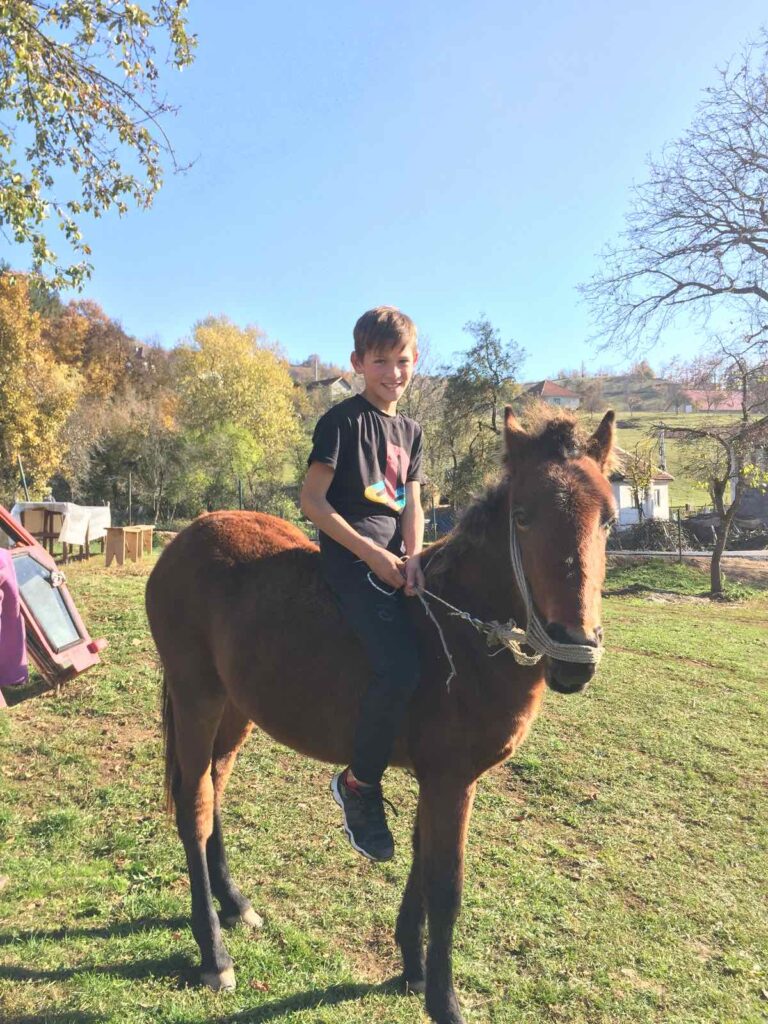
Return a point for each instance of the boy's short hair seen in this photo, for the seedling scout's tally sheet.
(383, 327)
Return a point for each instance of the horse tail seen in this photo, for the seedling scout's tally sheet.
(169, 739)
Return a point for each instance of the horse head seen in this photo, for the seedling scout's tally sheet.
(561, 509)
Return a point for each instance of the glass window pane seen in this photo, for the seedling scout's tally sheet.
(6, 540)
(45, 602)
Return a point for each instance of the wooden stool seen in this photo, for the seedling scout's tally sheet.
(146, 539)
(131, 542)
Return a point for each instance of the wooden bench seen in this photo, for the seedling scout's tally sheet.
(131, 542)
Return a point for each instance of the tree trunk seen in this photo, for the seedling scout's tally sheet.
(717, 492)
(715, 575)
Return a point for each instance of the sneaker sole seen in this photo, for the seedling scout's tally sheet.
(347, 830)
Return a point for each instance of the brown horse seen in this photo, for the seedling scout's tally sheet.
(247, 632)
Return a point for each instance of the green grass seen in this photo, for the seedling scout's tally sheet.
(616, 867)
(666, 575)
(637, 428)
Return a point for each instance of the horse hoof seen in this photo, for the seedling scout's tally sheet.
(219, 981)
(250, 918)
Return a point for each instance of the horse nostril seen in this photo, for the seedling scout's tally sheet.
(561, 635)
(558, 633)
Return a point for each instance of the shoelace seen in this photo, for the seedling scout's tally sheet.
(375, 795)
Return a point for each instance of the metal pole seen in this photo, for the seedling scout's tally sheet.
(130, 496)
(23, 480)
(679, 539)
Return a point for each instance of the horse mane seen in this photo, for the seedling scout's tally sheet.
(554, 435)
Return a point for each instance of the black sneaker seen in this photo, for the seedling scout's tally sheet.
(364, 820)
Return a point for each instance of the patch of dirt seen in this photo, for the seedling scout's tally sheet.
(664, 597)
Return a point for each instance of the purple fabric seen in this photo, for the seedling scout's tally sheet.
(13, 649)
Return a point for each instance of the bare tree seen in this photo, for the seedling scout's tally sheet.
(722, 453)
(637, 467)
(696, 235)
(590, 390)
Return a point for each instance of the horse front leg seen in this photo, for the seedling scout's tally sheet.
(444, 811)
(409, 932)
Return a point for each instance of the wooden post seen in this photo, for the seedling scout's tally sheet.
(679, 539)
(23, 480)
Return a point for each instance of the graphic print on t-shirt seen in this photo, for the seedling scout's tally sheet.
(391, 490)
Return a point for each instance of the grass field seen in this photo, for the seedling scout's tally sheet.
(616, 867)
(638, 428)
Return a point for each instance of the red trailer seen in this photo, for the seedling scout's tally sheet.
(57, 641)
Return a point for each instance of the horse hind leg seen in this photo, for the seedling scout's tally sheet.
(191, 728)
(409, 931)
(233, 730)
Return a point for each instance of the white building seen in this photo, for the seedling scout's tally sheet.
(655, 502)
(554, 394)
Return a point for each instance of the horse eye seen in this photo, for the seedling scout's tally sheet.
(608, 524)
(521, 519)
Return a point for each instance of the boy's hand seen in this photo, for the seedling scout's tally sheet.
(388, 567)
(414, 576)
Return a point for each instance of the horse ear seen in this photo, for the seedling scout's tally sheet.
(600, 445)
(514, 432)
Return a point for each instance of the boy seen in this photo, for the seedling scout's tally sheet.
(362, 491)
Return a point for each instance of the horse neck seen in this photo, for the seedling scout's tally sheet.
(479, 577)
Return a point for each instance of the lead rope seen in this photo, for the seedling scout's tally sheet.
(508, 635)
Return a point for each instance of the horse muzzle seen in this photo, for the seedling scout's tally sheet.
(570, 676)
(567, 676)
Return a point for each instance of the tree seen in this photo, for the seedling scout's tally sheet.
(233, 388)
(642, 369)
(467, 434)
(637, 467)
(696, 235)
(80, 87)
(590, 390)
(722, 453)
(487, 373)
(37, 394)
(81, 335)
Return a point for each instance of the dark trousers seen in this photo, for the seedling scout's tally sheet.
(383, 626)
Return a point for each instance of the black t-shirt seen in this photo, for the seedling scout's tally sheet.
(373, 456)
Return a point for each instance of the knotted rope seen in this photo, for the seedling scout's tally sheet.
(508, 635)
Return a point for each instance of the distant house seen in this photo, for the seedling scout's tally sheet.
(703, 400)
(335, 387)
(554, 394)
(656, 501)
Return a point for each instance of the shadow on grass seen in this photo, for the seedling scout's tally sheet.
(312, 999)
(107, 931)
(176, 968)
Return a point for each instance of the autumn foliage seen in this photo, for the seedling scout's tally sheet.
(83, 405)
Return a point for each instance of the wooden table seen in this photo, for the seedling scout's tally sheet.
(73, 526)
(131, 542)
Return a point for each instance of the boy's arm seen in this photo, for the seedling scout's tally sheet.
(318, 509)
(412, 529)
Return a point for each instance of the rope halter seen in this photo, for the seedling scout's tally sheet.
(508, 635)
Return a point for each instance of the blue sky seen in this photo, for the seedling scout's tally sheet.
(450, 159)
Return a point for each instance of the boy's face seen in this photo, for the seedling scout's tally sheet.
(387, 373)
